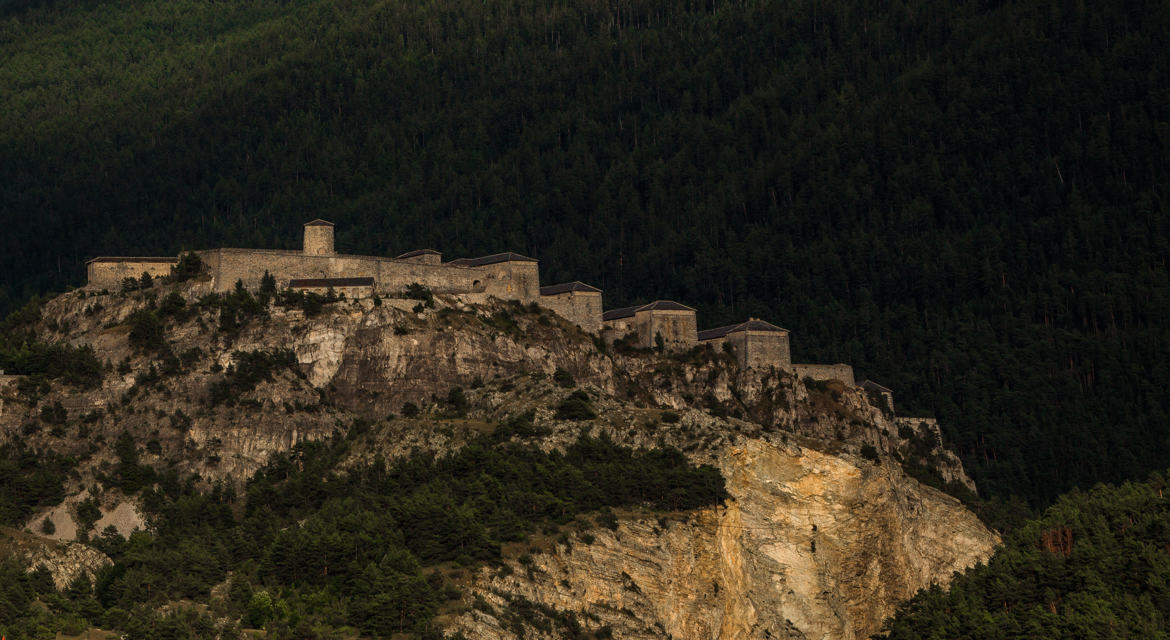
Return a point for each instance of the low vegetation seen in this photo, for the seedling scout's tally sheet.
(248, 369)
(315, 551)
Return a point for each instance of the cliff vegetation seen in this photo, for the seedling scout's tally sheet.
(965, 200)
(384, 468)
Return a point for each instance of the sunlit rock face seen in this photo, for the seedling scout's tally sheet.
(815, 541)
(811, 545)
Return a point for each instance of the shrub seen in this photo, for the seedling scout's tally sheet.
(249, 369)
(409, 410)
(607, 519)
(147, 334)
(869, 452)
(54, 413)
(627, 343)
(173, 305)
(189, 266)
(457, 401)
(41, 361)
(416, 291)
(670, 417)
(576, 406)
(563, 378)
(267, 284)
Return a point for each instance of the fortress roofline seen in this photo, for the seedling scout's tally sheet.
(657, 305)
(495, 258)
(159, 259)
(418, 252)
(870, 385)
(751, 325)
(574, 286)
(318, 222)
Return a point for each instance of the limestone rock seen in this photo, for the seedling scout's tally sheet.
(66, 561)
(811, 546)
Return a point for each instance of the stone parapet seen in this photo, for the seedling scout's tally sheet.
(842, 372)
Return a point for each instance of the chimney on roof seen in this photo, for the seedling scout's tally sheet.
(318, 238)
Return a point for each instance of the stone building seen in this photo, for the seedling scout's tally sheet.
(673, 321)
(318, 240)
(757, 344)
(319, 268)
(110, 271)
(882, 392)
(508, 276)
(576, 302)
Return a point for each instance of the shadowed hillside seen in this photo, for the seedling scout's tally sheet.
(966, 200)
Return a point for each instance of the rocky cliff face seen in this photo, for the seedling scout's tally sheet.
(816, 542)
(812, 545)
(66, 561)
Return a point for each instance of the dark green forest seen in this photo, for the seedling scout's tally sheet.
(967, 200)
(1094, 565)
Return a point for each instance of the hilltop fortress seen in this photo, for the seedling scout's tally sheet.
(317, 267)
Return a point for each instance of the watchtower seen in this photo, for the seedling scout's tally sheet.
(318, 238)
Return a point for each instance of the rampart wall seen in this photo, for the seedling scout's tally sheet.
(391, 276)
(842, 372)
(580, 307)
(510, 280)
(110, 272)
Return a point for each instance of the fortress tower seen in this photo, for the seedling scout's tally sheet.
(318, 238)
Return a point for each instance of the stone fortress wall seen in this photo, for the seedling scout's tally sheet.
(390, 276)
(842, 372)
(507, 276)
(110, 272)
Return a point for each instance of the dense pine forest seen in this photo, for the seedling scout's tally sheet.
(967, 200)
(1095, 565)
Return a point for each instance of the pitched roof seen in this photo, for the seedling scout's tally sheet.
(418, 252)
(304, 283)
(665, 305)
(159, 259)
(555, 289)
(623, 312)
(870, 385)
(507, 256)
(318, 222)
(751, 325)
(657, 305)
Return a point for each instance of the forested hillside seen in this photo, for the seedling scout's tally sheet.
(966, 200)
(1095, 565)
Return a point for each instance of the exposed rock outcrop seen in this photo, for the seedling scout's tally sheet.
(817, 540)
(812, 545)
(66, 561)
